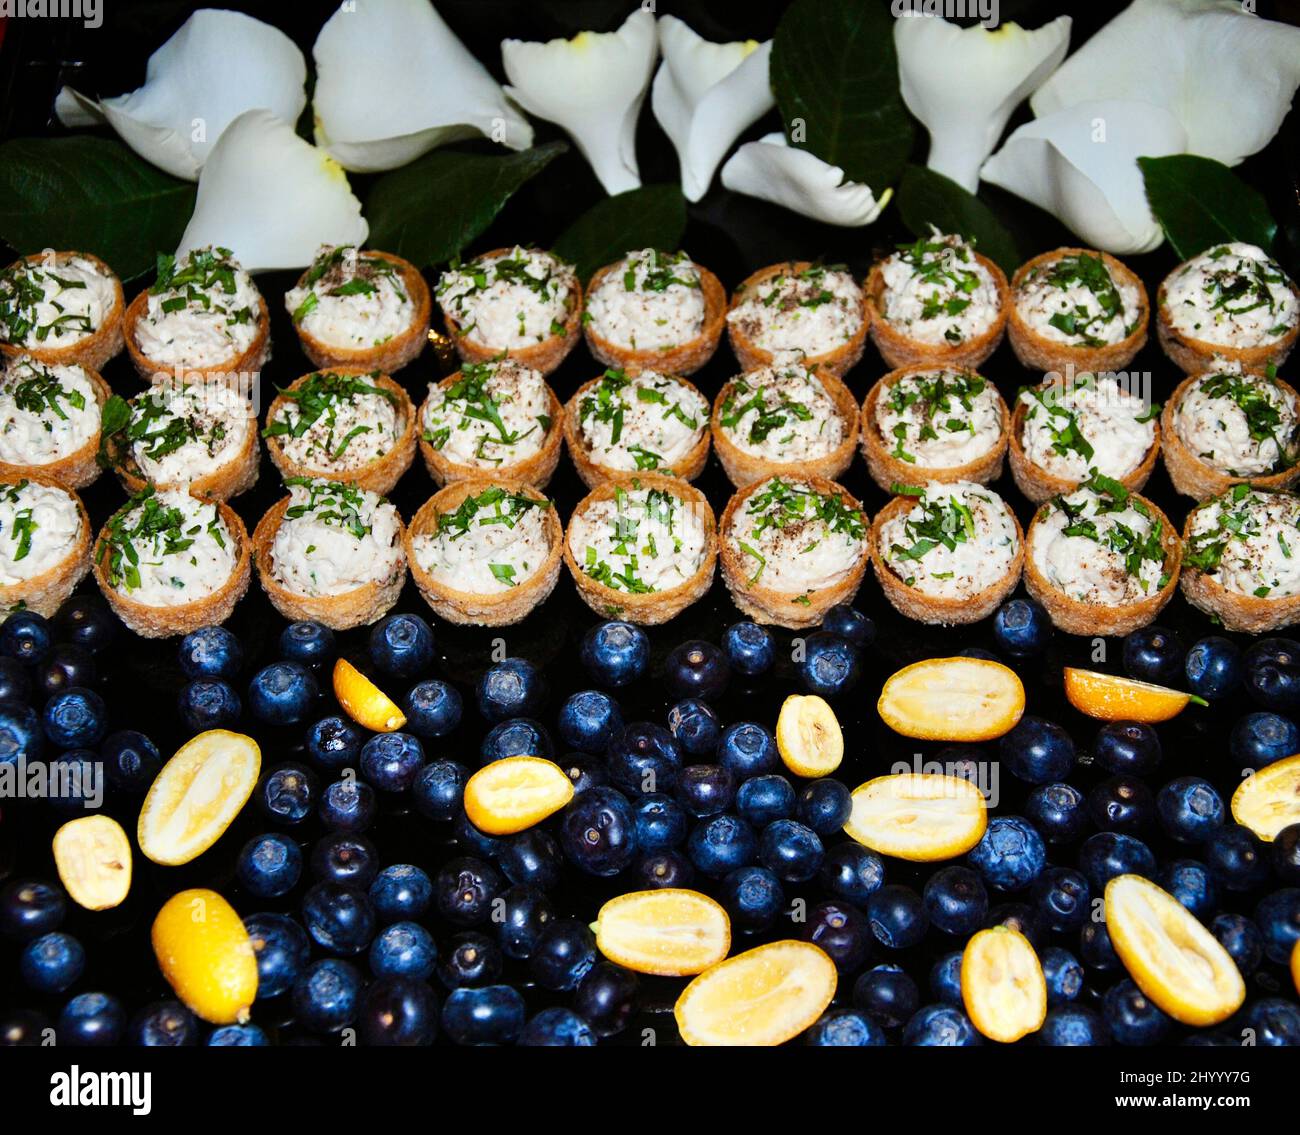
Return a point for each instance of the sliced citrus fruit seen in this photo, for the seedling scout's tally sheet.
(918, 816)
(515, 793)
(808, 736)
(1002, 984)
(670, 932)
(760, 998)
(1173, 959)
(196, 795)
(365, 702)
(206, 956)
(1295, 966)
(93, 858)
(952, 699)
(1109, 697)
(1269, 800)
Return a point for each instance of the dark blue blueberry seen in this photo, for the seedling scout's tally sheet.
(471, 959)
(750, 648)
(439, 789)
(92, 1020)
(887, 994)
(283, 693)
(1129, 747)
(1189, 809)
(606, 998)
(86, 621)
(15, 681)
(1278, 917)
(1061, 897)
(1259, 739)
(326, 995)
(489, 1014)
(695, 725)
(762, 799)
(1058, 811)
(52, 962)
(398, 1012)
(26, 636)
(334, 742)
(401, 645)
(521, 916)
(164, 1024)
(29, 908)
(269, 865)
(1122, 804)
(845, 1028)
(956, 900)
(208, 703)
(1132, 1017)
(1096, 948)
(753, 897)
(1063, 974)
(705, 790)
(1241, 938)
(532, 858)
(1037, 751)
(338, 917)
(471, 839)
(565, 952)
(288, 794)
(1154, 654)
(941, 1026)
(584, 770)
(588, 719)
(210, 652)
(898, 918)
(851, 871)
(841, 932)
(643, 758)
(1020, 916)
(1274, 1022)
(281, 947)
(131, 760)
(850, 624)
(1213, 667)
(348, 805)
(433, 708)
(404, 949)
(1286, 854)
(517, 737)
(598, 831)
(1010, 855)
(978, 652)
(697, 669)
(1272, 674)
(307, 642)
(615, 653)
(557, 1028)
(1073, 1026)
(825, 806)
(464, 890)
(75, 719)
(1236, 857)
(945, 978)
(67, 666)
(391, 761)
(719, 845)
(401, 892)
(1022, 628)
(748, 749)
(661, 823)
(791, 850)
(829, 665)
(1190, 883)
(345, 857)
(21, 738)
(237, 1036)
(513, 687)
(1107, 854)
(76, 781)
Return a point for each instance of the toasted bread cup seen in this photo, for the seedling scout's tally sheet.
(545, 356)
(387, 357)
(900, 350)
(469, 608)
(937, 609)
(248, 361)
(683, 359)
(745, 469)
(887, 470)
(379, 475)
(1196, 478)
(1073, 616)
(837, 361)
(535, 470)
(1037, 352)
(593, 473)
(95, 349)
(44, 593)
(163, 622)
(657, 606)
(359, 607)
(77, 469)
(1195, 355)
(792, 609)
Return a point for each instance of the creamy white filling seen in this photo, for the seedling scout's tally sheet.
(46, 412)
(493, 416)
(54, 302)
(955, 541)
(781, 414)
(1090, 423)
(939, 419)
(358, 301)
(1242, 424)
(202, 323)
(182, 432)
(1234, 295)
(793, 539)
(800, 315)
(335, 538)
(494, 542)
(937, 292)
(509, 300)
(1249, 541)
(340, 429)
(39, 528)
(648, 301)
(641, 540)
(1098, 550)
(1077, 300)
(646, 421)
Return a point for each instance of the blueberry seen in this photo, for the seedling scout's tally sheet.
(1107, 854)
(522, 914)
(76, 783)
(697, 669)
(532, 857)
(1272, 674)
(131, 760)
(281, 947)
(21, 738)
(401, 645)
(565, 952)
(400, 892)
(471, 959)
(851, 871)
(887, 994)
(464, 890)
(439, 789)
(433, 708)
(841, 932)
(398, 1011)
(66, 667)
(557, 1028)
(348, 805)
(338, 917)
(282, 693)
(1022, 628)
(588, 719)
(237, 1036)
(208, 703)
(490, 1014)
(164, 1024)
(512, 688)
(1259, 739)
(762, 799)
(29, 908)
(719, 845)
(334, 742)
(1278, 918)
(615, 654)
(945, 978)
(404, 949)
(695, 725)
(1189, 809)
(1037, 751)
(307, 642)
(1061, 896)
(1122, 804)
(516, 737)
(845, 1028)
(269, 865)
(326, 995)
(748, 750)
(583, 770)
(391, 761)
(1274, 1022)
(705, 790)
(1236, 857)
(1058, 811)
(606, 998)
(1010, 855)
(598, 831)
(15, 681)
(1133, 1019)
(1286, 854)
(210, 652)
(345, 857)
(955, 900)
(1073, 1026)
(825, 806)
(850, 624)
(898, 918)
(644, 758)
(1213, 667)
(287, 794)
(470, 838)
(91, 1019)
(1241, 938)
(75, 719)
(661, 822)
(753, 897)
(26, 636)
(1129, 747)
(1154, 654)
(52, 962)
(1063, 974)
(1019, 916)
(749, 648)
(829, 665)
(86, 621)
(1096, 948)
(941, 1026)
(1191, 884)
(791, 850)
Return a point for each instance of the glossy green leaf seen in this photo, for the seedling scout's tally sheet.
(653, 216)
(927, 198)
(1200, 203)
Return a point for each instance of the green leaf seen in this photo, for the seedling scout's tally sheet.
(927, 198)
(430, 210)
(1200, 203)
(835, 76)
(89, 194)
(653, 216)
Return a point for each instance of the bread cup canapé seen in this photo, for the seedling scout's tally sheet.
(51, 421)
(44, 543)
(61, 308)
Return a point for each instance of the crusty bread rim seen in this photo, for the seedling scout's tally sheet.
(792, 609)
(90, 351)
(160, 622)
(682, 359)
(230, 370)
(484, 608)
(394, 353)
(378, 475)
(838, 360)
(1197, 478)
(656, 606)
(1074, 616)
(545, 356)
(45, 592)
(744, 468)
(899, 349)
(81, 467)
(916, 604)
(536, 469)
(361, 605)
(887, 470)
(688, 467)
(1039, 485)
(1039, 352)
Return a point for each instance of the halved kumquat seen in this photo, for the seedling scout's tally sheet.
(1108, 697)
(808, 736)
(918, 816)
(93, 858)
(515, 793)
(365, 702)
(952, 699)
(1269, 800)
(1002, 984)
(670, 932)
